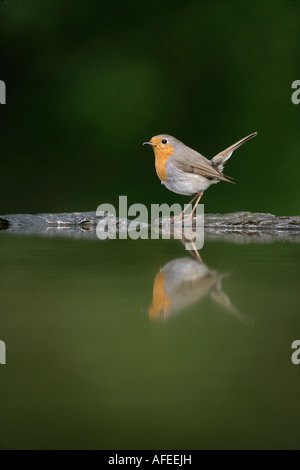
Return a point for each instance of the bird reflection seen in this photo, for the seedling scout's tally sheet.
(184, 281)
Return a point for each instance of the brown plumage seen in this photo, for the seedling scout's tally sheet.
(185, 171)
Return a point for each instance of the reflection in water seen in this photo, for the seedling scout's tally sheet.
(182, 282)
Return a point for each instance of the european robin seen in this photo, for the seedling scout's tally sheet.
(184, 281)
(185, 171)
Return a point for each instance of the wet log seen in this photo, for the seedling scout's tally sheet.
(239, 227)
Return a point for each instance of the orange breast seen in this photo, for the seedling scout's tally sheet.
(160, 301)
(161, 157)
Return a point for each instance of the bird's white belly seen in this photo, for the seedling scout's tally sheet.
(181, 182)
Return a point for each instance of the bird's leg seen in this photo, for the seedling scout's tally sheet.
(194, 252)
(178, 217)
(196, 204)
(197, 256)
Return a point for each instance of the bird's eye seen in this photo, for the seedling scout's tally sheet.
(164, 141)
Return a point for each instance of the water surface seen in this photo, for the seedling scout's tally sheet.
(133, 344)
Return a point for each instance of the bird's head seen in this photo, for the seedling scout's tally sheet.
(162, 144)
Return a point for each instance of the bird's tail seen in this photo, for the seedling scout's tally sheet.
(219, 160)
(222, 299)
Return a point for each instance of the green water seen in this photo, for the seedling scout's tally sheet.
(90, 365)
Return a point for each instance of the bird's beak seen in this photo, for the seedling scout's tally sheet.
(149, 143)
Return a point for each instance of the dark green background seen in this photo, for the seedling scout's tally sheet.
(88, 82)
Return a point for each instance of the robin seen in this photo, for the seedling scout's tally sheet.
(185, 171)
(184, 281)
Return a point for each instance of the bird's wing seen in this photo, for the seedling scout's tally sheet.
(191, 161)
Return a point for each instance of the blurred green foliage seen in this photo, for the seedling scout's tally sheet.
(88, 82)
